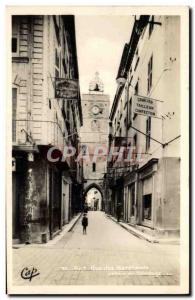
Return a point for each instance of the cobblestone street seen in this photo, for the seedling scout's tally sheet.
(106, 255)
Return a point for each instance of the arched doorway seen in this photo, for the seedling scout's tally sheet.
(93, 197)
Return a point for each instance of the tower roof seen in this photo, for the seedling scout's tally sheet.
(96, 84)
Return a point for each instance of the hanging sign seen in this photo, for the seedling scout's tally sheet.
(66, 88)
(144, 106)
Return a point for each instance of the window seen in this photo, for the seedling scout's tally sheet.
(57, 64)
(134, 152)
(15, 35)
(93, 167)
(50, 103)
(118, 123)
(147, 207)
(137, 88)
(148, 132)
(150, 66)
(68, 110)
(136, 93)
(136, 59)
(130, 70)
(151, 26)
(135, 140)
(120, 132)
(14, 44)
(143, 32)
(14, 107)
(129, 112)
(130, 80)
(84, 149)
(117, 115)
(64, 66)
(56, 20)
(132, 195)
(121, 109)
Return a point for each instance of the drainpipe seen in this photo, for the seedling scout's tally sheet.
(30, 74)
(28, 186)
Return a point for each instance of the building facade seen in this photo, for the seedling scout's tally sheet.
(145, 115)
(45, 189)
(94, 136)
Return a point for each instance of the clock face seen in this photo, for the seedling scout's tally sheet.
(95, 110)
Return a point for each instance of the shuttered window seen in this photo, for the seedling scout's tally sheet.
(150, 69)
(14, 45)
(130, 112)
(148, 132)
(15, 36)
(151, 26)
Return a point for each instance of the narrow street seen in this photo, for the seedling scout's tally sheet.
(95, 102)
(107, 255)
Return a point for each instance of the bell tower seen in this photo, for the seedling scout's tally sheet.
(96, 85)
(94, 132)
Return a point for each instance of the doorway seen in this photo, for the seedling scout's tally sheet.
(147, 207)
(15, 207)
(54, 201)
(93, 199)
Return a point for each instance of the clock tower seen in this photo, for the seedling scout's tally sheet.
(94, 132)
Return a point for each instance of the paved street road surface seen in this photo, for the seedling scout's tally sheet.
(107, 255)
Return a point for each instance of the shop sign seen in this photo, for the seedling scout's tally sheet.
(66, 88)
(145, 106)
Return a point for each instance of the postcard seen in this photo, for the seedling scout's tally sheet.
(98, 150)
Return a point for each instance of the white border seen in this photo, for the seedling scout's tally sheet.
(184, 149)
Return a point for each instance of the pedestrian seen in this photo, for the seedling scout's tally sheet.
(86, 208)
(118, 212)
(85, 223)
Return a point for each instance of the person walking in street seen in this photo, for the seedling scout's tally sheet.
(118, 212)
(86, 208)
(85, 223)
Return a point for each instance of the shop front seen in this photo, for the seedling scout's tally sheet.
(158, 198)
(147, 201)
(146, 194)
(130, 199)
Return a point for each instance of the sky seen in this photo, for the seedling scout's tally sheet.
(100, 41)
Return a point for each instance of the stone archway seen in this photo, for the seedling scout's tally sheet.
(95, 186)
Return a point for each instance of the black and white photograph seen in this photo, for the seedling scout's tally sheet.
(97, 171)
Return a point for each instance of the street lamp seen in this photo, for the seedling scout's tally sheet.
(121, 80)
